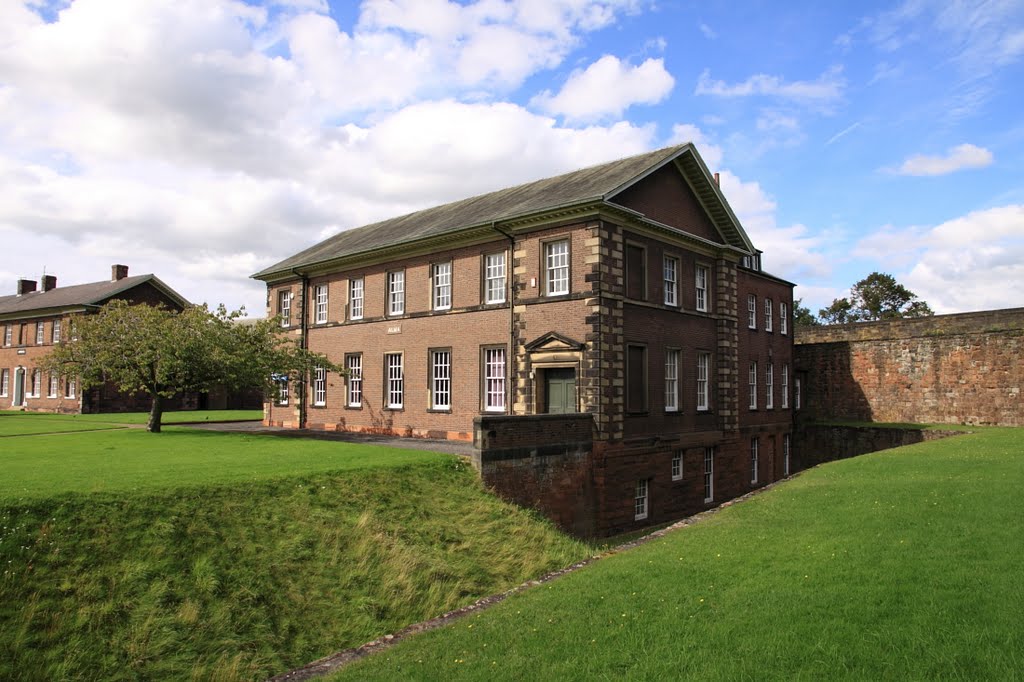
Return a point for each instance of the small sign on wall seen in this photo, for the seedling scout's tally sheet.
(396, 329)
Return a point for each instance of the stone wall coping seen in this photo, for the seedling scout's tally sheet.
(978, 322)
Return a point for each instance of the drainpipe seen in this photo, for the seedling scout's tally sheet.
(303, 343)
(511, 365)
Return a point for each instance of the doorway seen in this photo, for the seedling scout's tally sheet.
(19, 387)
(559, 390)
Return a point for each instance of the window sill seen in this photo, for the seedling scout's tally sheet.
(354, 407)
(439, 410)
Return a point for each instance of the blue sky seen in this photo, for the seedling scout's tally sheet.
(205, 139)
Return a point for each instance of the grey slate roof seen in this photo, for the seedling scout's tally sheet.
(576, 187)
(77, 295)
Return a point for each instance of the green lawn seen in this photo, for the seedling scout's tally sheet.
(903, 564)
(12, 420)
(126, 555)
(130, 460)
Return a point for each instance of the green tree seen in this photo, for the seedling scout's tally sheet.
(802, 315)
(876, 297)
(162, 353)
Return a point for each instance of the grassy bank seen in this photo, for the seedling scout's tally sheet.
(904, 564)
(244, 580)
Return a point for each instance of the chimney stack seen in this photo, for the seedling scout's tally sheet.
(49, 282)
(718, 180)
(118, 272)
(26, 286)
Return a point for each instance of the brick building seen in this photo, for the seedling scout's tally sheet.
(625, 296)
(34, 319)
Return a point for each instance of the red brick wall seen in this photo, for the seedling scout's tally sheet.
(944, 369)
(665, 197)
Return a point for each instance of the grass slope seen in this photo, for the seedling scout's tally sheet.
(48, 422)
(242, 580)
(903, 564)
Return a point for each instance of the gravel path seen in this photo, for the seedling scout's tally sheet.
(454, 447)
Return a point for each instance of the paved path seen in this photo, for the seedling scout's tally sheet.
(454, 447)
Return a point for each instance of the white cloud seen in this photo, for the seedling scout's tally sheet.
(708, 32)
(957, 158)
(608, 87)
(969, 263)
(710, 152)
(205, 139)
(829, 86)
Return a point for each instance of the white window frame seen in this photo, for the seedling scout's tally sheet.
(396, 293)
(785, 386)
(701, 287)
(677, 465)
(783, 318)
(37, 383)
(785, 454)
(5, 382)
(284, 308)
(703, 381)
(394, 373)
(640, 499)
(494, 378)
(283, 392)
(40, 333)
(751, 311)
(755, 448)
(55, 332)
(670, 270)
(769, 386)
(355, 298)
(768, 307)
(70, 384)
(556, 267)
(319, 386)
(672, 379)
(797, 397)
(441, 379)
(441, 286)
(709, 475)
(53, 386)
(354, 394)
(320, 296)
(8, 334)
(752, 384)
(494, 277)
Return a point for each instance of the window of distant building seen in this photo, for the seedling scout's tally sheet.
(769, 385)
(320, 297)
(677, 465)
(752, 381)
(556, 259)
(672, 380)
(768, 307)
(354, 365)
(701, 284)
(396, 292)
(284, 307)
(753, 460)
(785, 386)
(783, 318)
(441, 379)
(56, 331)
(752, 311)
(494, 277)
(319, 386)
(640, 500)
(709, 475)
(395, 378)
(671, 277)
(494, 379)
(442, 286)
(785, 454)
(40, 333)
(703, 382)
(355, 299)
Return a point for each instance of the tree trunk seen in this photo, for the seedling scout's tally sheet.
(155, 414)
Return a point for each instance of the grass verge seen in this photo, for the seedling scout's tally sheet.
(903, 564)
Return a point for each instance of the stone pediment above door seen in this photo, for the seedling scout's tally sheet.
(553, 342)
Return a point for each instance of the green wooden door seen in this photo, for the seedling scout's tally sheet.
(560, 390)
